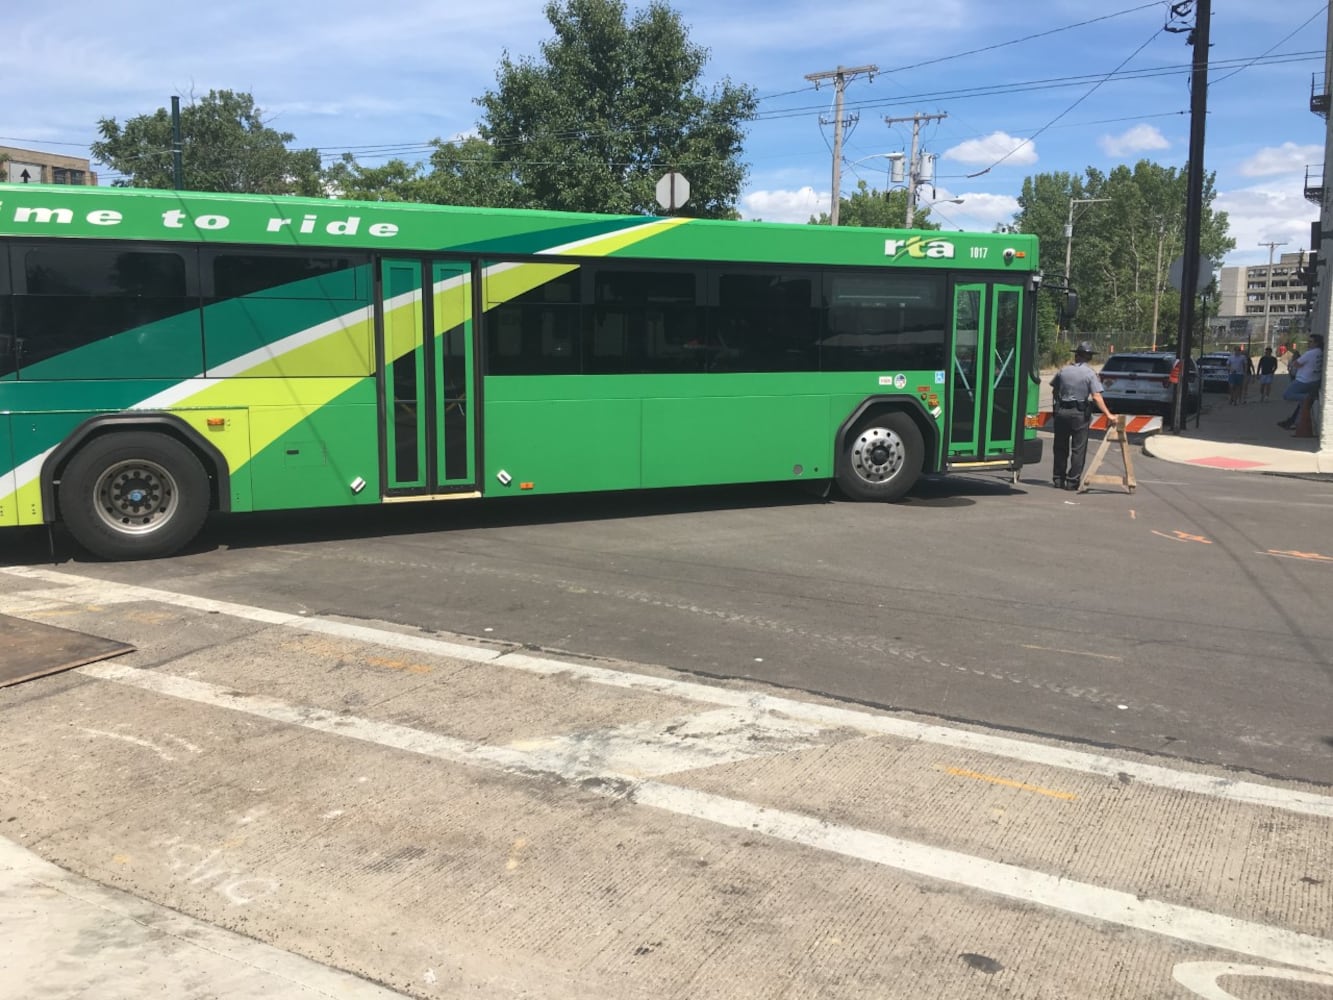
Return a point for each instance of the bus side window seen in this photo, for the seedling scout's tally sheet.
(253, 299)
(645, 321)
(8, 342)
(765, 321)
(105, 311)
(536, 331)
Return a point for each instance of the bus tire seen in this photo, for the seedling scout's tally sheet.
(881, 458)
(134, 495)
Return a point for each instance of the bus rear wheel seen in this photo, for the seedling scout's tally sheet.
(136, 495)
(881, 459)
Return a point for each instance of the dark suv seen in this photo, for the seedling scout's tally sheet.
(1145, 382)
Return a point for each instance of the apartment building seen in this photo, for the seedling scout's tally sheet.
(28, 166)
(1264, 297)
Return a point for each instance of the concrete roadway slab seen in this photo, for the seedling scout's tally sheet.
(442, 816)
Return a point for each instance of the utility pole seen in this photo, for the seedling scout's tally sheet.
(1268, 287)
(914, 161)
(1323, 315)
(1198, 38)
(840, 78)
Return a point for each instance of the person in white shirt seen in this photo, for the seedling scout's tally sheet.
(1306, 377)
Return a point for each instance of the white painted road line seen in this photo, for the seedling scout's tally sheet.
(1183, 923)
(89, 590)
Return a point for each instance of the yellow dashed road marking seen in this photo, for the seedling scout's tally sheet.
(961, 772)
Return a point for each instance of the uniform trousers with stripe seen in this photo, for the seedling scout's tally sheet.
(1071, 441)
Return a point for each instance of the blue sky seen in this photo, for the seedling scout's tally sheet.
(384, 79)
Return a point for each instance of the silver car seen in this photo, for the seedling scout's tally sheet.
(1145, 382)
(1213, 370)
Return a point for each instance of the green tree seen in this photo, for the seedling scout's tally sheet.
(1122, 247)
(467, 172)
(877, 209)
(225, 146)
(612, 104)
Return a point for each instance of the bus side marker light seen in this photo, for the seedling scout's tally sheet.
(217, 422)
(504, 477)
(358, 484)
(525, 486)
(936, 412)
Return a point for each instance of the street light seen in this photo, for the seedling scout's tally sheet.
(1069, 231)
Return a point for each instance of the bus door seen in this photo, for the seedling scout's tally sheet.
(427, 387)
(985, 409)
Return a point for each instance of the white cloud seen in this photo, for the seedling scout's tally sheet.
(1138, 139)
(1289, 158)
(996, 146)
(785, 206)
(979, 212)
(1259, 213)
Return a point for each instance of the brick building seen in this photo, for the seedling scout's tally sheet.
(28, 166)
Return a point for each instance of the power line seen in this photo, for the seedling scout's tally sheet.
(1318, 10)
(1048, 83)
(1025, 38)
(1030, 139)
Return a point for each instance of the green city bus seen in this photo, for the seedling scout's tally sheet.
(165, 354)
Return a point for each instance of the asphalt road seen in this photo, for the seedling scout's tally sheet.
(1181, 620)
(740, 743)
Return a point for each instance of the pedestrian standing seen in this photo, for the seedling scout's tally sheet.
(1267, 367)
(1074, 391)
(1235, 375)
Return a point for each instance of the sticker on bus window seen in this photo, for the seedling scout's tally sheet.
(939, 378)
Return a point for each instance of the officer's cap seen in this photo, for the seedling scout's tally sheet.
(1085, 347)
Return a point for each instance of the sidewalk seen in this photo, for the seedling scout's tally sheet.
(1243, 438)
(66, 937)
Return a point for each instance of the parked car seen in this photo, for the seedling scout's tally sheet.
(1213, 369)
(1144, 382)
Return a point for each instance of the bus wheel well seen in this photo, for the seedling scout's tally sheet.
(930, 433)
(165, 425)
(881, 454)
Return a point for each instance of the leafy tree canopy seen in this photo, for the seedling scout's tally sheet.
(1122, 247)
(877, 209)
(613, 103)
(225, 146)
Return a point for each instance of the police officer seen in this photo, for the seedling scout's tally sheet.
(1074, 390)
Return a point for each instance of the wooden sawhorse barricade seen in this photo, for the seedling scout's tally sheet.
(1116, 433)
(1119, 435)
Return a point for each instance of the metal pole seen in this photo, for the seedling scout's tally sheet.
(1268, 288)
(913, 174)
(1069, 233)
(177, 168)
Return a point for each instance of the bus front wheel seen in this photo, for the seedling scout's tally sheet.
(135, 495)
(881, 459)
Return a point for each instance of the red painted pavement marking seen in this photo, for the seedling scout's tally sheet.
(1221, 462)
